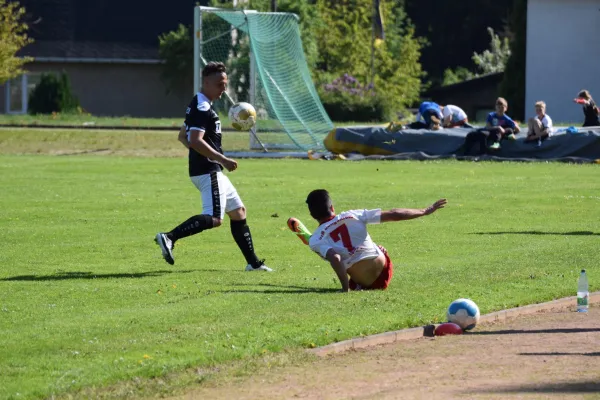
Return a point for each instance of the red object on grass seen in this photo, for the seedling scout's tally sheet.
(448, 328)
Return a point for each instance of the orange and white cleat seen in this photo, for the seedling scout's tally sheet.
(299, 229)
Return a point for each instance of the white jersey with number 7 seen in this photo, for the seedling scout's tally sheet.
(347, 235)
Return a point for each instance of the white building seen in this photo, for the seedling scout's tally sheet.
(563, 56)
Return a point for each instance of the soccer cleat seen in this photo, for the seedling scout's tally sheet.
(261, 267)
(511, 137)
(495, 146)
(166, 246)
(299, 229)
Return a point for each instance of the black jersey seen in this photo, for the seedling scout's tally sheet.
(200, 115)
(590, 111)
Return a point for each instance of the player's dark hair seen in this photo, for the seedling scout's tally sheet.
(213, 67)
(585, 94)
(319, 204)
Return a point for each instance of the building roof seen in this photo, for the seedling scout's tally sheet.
(118, 30)
(470, 84)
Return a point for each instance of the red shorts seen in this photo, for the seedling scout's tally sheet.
(384, 278)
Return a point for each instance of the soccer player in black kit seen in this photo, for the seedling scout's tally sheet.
(201, 134)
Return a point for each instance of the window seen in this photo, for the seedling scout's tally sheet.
(18, 91)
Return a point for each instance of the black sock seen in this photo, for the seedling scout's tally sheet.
(242, 236)
(196, 224)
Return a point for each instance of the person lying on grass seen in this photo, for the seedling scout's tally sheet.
(343, 240)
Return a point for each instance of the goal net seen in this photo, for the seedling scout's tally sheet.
(266, 67)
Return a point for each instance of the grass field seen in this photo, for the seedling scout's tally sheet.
(89, 308)
(84, 118)
(69, 139)
(91, 120)
(114, 142)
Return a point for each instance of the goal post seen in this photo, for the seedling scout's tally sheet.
(267, 68)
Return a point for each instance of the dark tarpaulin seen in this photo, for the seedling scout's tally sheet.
(379, 143)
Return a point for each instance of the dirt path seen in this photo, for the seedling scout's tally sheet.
(546, 355)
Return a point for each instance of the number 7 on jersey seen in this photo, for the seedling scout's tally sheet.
(341, 233)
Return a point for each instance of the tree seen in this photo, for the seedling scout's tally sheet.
(453, 76)
(344, 43)
(175, 49)
(13, 37)
(53, 94)
(453, 30)
(490, 61)
(494, 59)
(513, 84)
(336, 39)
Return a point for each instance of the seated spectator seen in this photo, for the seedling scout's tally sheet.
(499, 125)
(428, 117)
(540, 126)
(590, 110)
(454, 116)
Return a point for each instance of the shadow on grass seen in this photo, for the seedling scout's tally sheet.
(279, 289)
(564, 387)
(90, 275)
(517, 331)
(561, 354)
(575, 233)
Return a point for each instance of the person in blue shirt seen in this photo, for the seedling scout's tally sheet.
(430, 115)
(499, 125)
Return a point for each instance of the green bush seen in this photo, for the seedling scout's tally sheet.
(53, 94)
(345, 99)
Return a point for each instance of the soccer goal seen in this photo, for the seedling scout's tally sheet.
(266, 67)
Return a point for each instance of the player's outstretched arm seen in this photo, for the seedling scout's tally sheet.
(336, 263)
(403, 214)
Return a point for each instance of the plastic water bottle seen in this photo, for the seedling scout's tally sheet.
(583, 294)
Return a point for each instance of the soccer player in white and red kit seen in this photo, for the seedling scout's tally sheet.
(343, 240)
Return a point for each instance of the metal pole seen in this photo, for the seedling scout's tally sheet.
(24, 94)
(252, 97)
(373, 16)
(252, 88)
(197, 46)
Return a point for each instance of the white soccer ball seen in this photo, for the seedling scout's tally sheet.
(464, 312)
(242, 116)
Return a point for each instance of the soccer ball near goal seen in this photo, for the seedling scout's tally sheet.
(464, 313)
(242, 116)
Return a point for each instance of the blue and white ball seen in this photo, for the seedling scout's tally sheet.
(464, 312)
